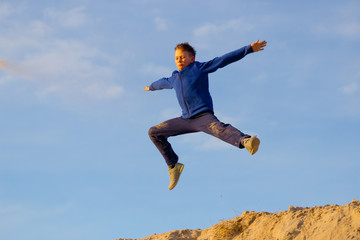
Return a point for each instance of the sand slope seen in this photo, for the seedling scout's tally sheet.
(318, 223)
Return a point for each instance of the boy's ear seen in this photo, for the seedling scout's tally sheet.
(192, 58)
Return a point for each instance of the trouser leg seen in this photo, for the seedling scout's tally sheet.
(209, 124)
(160, 133)
(206, 122)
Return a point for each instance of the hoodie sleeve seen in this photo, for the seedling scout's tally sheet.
(219, 62)
(163, 83)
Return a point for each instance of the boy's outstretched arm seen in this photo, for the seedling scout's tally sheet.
(258, 46)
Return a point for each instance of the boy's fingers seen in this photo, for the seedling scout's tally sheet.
(258, 46)
(262, 44)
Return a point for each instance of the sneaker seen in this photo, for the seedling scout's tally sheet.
(252, 144)
(175, 173)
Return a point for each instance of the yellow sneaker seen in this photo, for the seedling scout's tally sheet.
(175, 173)
(252, 144)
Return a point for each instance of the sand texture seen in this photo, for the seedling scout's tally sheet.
(331, 222)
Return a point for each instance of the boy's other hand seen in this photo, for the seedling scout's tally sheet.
(258, 46)
(147, 88)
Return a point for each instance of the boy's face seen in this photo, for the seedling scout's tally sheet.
(183, 59)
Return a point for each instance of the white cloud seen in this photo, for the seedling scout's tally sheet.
(101, 91)
(206, 29)
(156, 70)
(160, 24)
(210, 34)
(5, 10)
(60, 67)
(14, 68)
(214, 29)
(67, 67)
(8, 10)
(71, 18)
(350, 88)
(212, 143)
(4, 79)
(13, 216)
(202, 141)
(38, 28)
(344, 22)
(53, 66)
(348, 29)
(170, 113)
(226, 119)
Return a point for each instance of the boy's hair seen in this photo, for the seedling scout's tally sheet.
(186, 47)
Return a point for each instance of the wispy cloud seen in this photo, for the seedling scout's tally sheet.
(201, 141)
(58, 66)
(350, 88)
(70, 67)
(343, 23)
(14, 215)
(5, 10)
(156, 70)
(15, 68)
(103, 91)
(346, 30)
(214, 29)
(169, 113)
(39, 28)
(72, 18)
(160, 24)
(208, 34)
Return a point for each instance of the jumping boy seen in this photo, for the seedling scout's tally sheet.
(191, 85)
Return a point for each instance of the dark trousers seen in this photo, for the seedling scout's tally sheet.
(203, 122)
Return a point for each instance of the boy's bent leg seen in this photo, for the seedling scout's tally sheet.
(160, 133)
(226, 132)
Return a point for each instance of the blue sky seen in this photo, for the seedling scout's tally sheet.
(76, 161)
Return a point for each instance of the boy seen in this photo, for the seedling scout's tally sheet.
(191, 85)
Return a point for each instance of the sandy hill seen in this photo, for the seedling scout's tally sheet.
(331, 222)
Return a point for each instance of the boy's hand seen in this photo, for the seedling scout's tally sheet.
(147, 88)
(258, 46)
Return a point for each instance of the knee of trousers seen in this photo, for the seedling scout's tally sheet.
(153, 132)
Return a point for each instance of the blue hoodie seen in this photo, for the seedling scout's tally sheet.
(192, 83)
